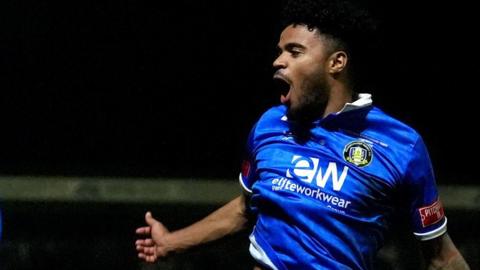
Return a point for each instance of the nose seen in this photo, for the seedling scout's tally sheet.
(279, 62)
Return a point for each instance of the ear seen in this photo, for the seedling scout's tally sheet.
(337, 62)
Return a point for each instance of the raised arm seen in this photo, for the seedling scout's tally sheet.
(441, 254)
(159, 242)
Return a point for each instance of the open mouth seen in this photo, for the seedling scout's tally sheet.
(283, 86)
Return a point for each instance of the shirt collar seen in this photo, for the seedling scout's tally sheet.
(364, 100)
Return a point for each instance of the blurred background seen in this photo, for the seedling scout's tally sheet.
(112, 108)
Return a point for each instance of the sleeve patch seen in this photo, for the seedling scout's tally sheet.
(431, 214)
(246, 168)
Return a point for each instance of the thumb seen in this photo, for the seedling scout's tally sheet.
(149, 219)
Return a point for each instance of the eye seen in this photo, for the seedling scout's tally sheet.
(295, 53)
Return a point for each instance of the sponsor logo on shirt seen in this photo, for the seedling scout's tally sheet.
(333, 202)
(307, 169)
(431, 214)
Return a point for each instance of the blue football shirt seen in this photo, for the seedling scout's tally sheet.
(325, 201)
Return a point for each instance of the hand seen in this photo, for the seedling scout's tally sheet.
(154, 245)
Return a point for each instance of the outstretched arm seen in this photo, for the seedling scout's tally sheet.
(159, 242)
(441, 254)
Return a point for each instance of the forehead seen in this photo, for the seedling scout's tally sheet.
(300, 34)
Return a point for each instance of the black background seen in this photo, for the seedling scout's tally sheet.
(129, 88)
(156, 89)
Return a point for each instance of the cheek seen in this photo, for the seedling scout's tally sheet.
(308, 70)
(307, 77)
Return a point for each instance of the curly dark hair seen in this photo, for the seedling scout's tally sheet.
(349, 25)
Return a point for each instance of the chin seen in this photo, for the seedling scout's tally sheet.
(304, 114)
(295, 114)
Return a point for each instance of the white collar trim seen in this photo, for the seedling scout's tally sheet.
(364, 100)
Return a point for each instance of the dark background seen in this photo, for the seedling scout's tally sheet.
(170, 89)
(128, 88)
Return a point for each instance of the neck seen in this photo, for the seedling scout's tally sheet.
(340, 94)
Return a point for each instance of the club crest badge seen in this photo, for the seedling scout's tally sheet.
(358, 153)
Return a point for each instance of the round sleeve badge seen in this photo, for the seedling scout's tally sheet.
(358, 153)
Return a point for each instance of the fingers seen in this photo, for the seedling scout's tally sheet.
(146, 248)
(147, 253)
(147, 258)
(149, 219)
(144, 243)
(144, 230)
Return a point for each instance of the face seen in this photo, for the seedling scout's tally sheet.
(302, 63)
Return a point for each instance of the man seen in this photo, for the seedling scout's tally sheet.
(326, 170)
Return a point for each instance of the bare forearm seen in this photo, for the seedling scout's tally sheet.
(457, 263)
(226, 220)
(442, 254)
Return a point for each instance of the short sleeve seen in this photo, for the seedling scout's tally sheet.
(426, 211)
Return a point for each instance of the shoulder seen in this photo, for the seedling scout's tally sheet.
(273, 114)
(272, 122)
(391, 130)
(400, 144)
(273, 118)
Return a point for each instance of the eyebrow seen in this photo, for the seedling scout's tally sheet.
(292, 45)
